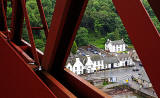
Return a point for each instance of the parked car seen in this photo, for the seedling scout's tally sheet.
(140, 64)
(135, 69)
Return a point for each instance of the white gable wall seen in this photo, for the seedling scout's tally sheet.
(69, 66)
(78, 67)
(90, 65)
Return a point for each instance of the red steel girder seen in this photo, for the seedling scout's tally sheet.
(3, 19)
(18, 80)
(65, 23)
(58, 89)
(143, 35)
(30, 34)
(42, 15)
(81, 87)
(16, 21)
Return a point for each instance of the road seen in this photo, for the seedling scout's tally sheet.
(121, 75)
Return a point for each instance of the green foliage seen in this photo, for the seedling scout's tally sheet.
(74, 48)
(104, 83)
(82, 37)
(39, 44)
(99, 42)
(113, 36)
(100, 22)
(130, 46)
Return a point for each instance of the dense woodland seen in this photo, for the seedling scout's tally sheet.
(100, 22)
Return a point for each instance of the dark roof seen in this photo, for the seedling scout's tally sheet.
(71, 60)
(96, 57)
(116, 42)
(83, 59)
(110, 60)
(123, 55)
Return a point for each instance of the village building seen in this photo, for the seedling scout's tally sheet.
(90, 59)
(115, 46)
(134, 56)
(111, 62)
(78, 67)
(70, 62)
(125, 59)
(98, 62)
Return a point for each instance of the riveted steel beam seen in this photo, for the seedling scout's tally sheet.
(143, 35)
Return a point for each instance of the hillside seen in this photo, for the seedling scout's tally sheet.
(100, 22)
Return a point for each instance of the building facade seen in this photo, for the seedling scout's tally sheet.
(115, 46)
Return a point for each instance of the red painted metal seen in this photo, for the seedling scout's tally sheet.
(58, 89)
(3, 20)
(22, 81)
(18, 80)
(37, 28)
(57, 24)
(155, 5)
(81, 87)
(22, 53)
(42, 15)
(34, 52)
(143, 35)
(17, 20)
(65, 22)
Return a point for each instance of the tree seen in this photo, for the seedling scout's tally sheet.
(74, 48)
(113, 36)
(82, 37)
(39, 44)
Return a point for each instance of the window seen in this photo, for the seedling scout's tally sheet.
(75, 68)
(81, 67)
(69, 68)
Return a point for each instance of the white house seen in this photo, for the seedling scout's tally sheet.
(89, 65)
(78, 67)
(75, 65)
(115, 46)
(69, 66)
(98, 62)
(134, 55)
(111, 62)
(125, 59)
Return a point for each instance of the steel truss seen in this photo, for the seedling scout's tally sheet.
(20, 61)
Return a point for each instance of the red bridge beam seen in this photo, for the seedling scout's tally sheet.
(17, 21)
(143, 35)
(18, 80)
(65, 23)
(3, 18)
